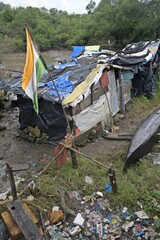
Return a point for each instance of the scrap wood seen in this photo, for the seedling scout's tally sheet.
(46, 237)
(115, 136)
(19, 167)
(12, 182)
(5, 201)
(23, 220)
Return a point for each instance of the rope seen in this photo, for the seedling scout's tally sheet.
(41, 172)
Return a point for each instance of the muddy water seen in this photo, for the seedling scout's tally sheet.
(16, 61)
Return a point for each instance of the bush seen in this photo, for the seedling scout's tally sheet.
(18, 45)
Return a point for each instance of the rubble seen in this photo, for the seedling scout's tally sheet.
(33, 134)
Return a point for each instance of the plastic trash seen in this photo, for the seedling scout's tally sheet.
(108, 188)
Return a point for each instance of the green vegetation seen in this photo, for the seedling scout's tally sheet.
(139, 184)
(113, 21)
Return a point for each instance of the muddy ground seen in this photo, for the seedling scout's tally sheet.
(17, 151)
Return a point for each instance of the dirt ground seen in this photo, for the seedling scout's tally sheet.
(14, 150)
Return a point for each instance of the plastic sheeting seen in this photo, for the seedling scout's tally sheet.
(89, 117)
(92, 48)
(50, 119)
(63, 86)
(82, 88)
(77, 50)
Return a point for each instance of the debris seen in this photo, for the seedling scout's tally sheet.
(74, 231)
(23, 220)
(19, 167)
(88, 179)
(142, 215)
(99, 194)
(79, 220)
(126, 226)
(156, 158)
(56, 216)
(30, 198)
(124, 209)
(3, 195)
(115, 136)
(108, 188)
(55, 208)
(95, 217)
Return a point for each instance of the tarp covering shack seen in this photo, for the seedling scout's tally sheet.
(143, 58)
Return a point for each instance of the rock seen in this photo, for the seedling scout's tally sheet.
(26, 130)
(30, 129)
(44, 135)
(1, 115)
(37, 132)
(92, 135)
(24, 136)
(39, 140)
(2, 127)
(31, 138)
(56, 216)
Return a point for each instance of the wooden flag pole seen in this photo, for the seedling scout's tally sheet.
(73, 155)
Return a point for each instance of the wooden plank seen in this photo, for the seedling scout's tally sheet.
(12, 182)
(12, 228)
(26, 225)
(114, 136)
(19, 167)
(30, 213)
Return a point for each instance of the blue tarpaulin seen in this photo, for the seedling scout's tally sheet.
(77, 50)
(63, 86)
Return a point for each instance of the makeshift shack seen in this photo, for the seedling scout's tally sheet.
(91, 93)
(143, 58)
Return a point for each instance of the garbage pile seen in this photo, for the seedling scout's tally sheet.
(95, 220)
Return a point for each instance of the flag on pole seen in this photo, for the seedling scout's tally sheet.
(33, 70)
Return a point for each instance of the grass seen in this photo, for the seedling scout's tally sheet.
(140, 184)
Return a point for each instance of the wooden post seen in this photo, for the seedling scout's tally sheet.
(74, 157)
(112, 178)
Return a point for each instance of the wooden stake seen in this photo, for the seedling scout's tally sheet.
(112, 178)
